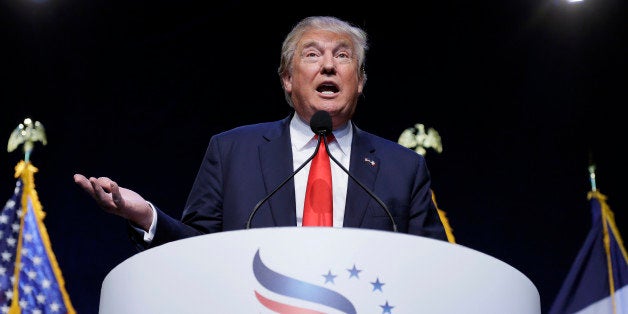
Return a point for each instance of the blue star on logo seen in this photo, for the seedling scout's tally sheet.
(354, 272)
(386, 308)
(377, 285)
(329, 277)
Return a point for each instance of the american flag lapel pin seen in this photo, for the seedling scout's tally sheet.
(366, 159)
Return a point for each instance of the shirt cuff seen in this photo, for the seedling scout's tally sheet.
(148, 236)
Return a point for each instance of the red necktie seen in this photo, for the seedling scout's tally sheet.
(318, 206)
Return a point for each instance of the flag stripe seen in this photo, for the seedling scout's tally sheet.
(606, 305)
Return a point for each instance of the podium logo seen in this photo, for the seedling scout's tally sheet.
(288, 295)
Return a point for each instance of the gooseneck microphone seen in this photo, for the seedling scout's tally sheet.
(320, 123)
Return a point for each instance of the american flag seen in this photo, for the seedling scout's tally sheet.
(30, 278)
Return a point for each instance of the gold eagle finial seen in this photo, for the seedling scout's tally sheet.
(27, 133)
(416, 138)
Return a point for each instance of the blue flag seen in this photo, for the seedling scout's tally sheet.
(598, 279)
(30, 278)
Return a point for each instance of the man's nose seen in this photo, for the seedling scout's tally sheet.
(329, 64)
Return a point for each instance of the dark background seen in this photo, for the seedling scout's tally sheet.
(525, 94)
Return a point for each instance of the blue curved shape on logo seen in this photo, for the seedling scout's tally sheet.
(291, 287)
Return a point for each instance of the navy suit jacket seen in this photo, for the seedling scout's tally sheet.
(243, 165)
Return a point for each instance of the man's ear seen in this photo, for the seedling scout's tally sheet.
(286, 81)
(360, 86)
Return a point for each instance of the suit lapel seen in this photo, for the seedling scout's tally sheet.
(276, 163)
(364, 166)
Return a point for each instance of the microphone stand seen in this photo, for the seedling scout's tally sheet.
(321, 124)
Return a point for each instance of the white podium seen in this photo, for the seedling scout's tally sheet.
(315, 270)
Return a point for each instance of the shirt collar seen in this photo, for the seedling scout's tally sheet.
(302, 135)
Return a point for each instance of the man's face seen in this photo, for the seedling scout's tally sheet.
(324, 76)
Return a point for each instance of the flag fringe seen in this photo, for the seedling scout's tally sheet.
(443, 217)
(26, 171)
(608, 222)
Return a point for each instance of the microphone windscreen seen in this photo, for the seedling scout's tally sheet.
(321, 122)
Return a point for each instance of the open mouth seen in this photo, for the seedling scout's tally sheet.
(327, 88)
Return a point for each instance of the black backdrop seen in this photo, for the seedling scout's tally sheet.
(525, 94)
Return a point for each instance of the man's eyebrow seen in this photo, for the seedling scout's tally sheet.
(309, 43)
(344, 45)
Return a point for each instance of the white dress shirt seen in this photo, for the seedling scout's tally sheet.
(303, 146)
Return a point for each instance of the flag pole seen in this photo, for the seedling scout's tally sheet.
(608, 228)
(33, 242)
(599, 274)
(592, 177)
